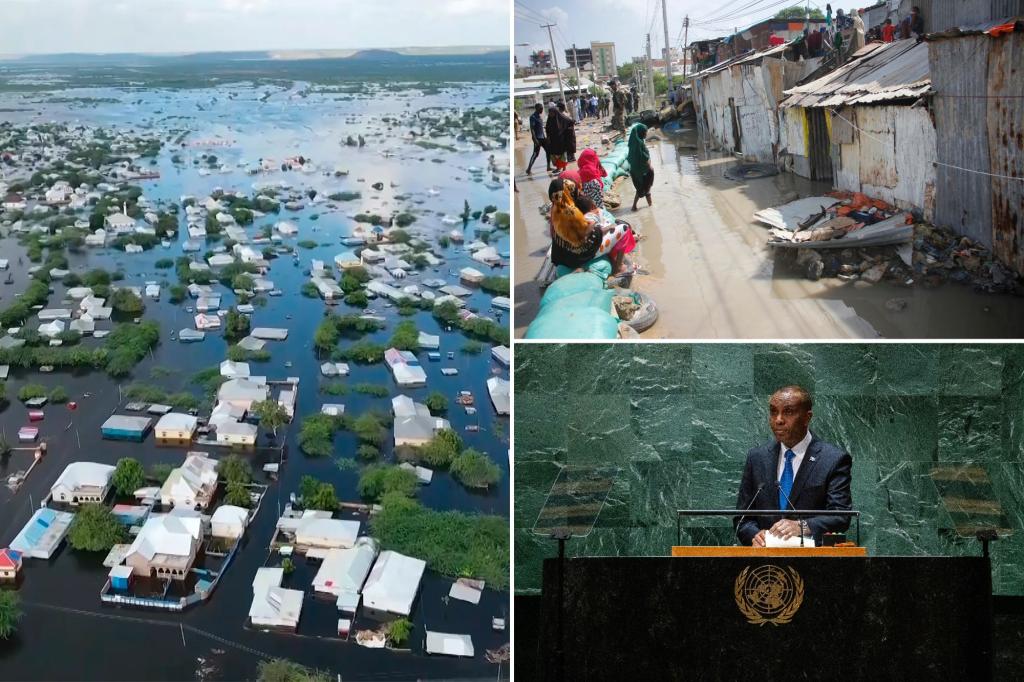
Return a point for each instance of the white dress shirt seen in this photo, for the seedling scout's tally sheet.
(799, 450)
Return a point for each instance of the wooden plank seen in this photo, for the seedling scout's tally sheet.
(761, 552)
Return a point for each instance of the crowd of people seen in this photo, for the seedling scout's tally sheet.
(583, 231)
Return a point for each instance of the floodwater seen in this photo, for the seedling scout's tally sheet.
(66, 631)
(712, 274)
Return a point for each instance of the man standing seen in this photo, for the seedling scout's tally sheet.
(538, 136)
(618, 107)
(795, 471)
(593, 105)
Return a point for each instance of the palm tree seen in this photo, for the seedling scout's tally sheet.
(10, 613)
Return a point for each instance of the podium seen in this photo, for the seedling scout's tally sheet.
(731, 613)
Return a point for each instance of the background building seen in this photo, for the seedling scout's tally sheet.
(603, 59)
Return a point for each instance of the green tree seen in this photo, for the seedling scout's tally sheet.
(128, 476)
(317, 494)
(798, 12)
(369, 429)
(406, 337)
(237, 494)
(30, 391)
(377, 481)
(475, 470)
(160, 472)
(281, 670)
(58, 395)
(288, 565)
(125, 301)
(10, 613)
(325, 337)
(235, 468)
(399, 631)
(436, 402)
(271, 413)
(442, 449)
(236, 325)
(367, 451)
(95, 529)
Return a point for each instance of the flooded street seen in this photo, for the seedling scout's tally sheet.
(712, 274)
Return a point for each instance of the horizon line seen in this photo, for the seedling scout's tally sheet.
(185, 53)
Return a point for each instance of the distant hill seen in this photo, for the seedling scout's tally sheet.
(159, 59)
(378, 55)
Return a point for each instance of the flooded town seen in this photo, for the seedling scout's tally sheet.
(799, 176)
(254, 366)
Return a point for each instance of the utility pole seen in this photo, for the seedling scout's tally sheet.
(686, 44)
(649, 76)
(576, 62)
(668, 45)
(554, 57)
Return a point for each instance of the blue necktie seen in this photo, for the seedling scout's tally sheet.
(786, 482)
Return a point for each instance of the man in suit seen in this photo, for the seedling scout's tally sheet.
(795, 471)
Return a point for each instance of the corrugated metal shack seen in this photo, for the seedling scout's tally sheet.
(737, 101)
(942, 15)
(978, 88)
(864, 126)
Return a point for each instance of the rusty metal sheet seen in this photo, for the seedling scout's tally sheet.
(898, 70)
(959, 78)
(1006, 147)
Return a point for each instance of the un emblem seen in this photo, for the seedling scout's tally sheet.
(769, 594)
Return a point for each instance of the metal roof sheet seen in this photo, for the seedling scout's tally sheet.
(897, 70)
(977, 29)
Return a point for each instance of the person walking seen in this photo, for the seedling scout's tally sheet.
(539, 137)
(568, 133)
(618, 108)
(554, 128)
(641, 172)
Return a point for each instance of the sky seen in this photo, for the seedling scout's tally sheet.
(54, 26)
(626, 22)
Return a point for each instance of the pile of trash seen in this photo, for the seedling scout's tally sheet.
(836, 220)
(826, 237)
(941, 256)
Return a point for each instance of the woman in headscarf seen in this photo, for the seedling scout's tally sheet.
(554, 126)
(590, 173)
(640, 169)
(569, 133)
(580, 235)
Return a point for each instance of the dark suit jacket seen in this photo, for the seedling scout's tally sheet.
(822, 482)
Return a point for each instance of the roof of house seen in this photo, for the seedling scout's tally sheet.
(167, 534)
(84, 474)
(498, 388)
(449, 644)
(227, 513)
(242, 389)
(125, 422)
(345, 570)
(890, 71)
(176, 421)
(10, 558)
(393, 583)
(334, 531)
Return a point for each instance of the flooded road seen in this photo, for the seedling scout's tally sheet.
(712, 274)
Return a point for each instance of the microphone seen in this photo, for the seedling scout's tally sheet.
(790, 503)
(740, 520)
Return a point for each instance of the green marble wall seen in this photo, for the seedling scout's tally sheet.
(936, 433)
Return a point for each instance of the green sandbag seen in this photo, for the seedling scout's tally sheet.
(602, 267)
(575, 284)
(615, 163)
(576, 306)
(575, 323)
